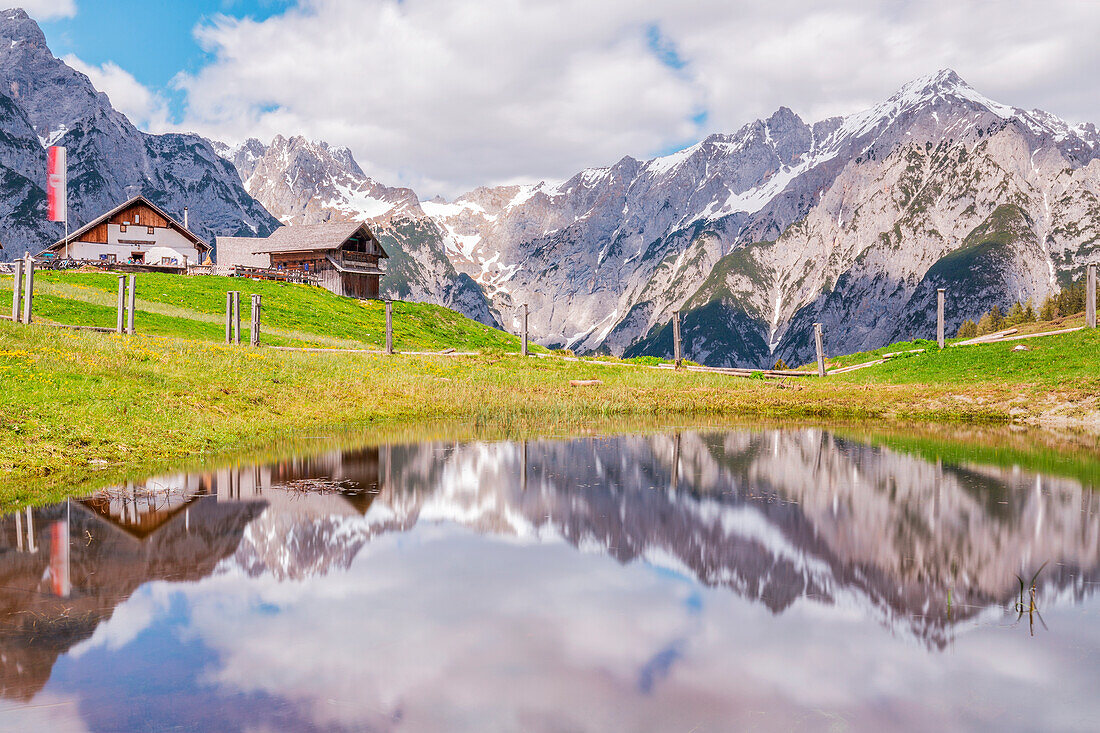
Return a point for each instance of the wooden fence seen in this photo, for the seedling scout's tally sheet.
(22, 310)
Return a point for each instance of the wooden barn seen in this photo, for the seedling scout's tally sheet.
(137, 232)
(343, 257)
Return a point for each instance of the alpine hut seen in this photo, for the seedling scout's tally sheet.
(343, 257)
(137, 232)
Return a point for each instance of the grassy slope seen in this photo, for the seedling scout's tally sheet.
(296, 315)
(861, 357)
(1064, 361)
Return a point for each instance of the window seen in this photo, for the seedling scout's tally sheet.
(122, 227)
(169, 261)
(135, 217)
(149, 230)
(107, 258)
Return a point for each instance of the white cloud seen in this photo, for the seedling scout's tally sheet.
(442, 94)
(445, 95)
(49, 9)
(128, 621)
(837, 57)
(146, 109)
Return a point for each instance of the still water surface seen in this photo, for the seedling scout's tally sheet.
(691, 581)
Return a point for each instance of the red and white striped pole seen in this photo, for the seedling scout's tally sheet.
(57, 189)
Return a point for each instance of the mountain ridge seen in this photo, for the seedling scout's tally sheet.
(603, 257)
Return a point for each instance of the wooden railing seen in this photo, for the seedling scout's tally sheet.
(359, 257)
(255, 273)
(357, 260)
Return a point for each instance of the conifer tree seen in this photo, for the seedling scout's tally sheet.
(1015, 315)
(997, 318)
(1049, 309)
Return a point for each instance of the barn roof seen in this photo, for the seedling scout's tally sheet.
(308, 237)
(75, 236)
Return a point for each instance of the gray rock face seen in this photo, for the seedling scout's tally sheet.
(600, 258)
(46, 103)
(22, 175)
(757, 235)
(306, 182)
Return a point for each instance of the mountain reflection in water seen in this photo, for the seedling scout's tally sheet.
(439, 587)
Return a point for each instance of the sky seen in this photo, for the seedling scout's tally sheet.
(445, 95)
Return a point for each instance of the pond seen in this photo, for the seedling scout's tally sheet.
(691, 580)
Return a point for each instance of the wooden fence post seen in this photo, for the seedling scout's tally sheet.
(940, 317)
(30, 531)
(131, 299)
(523, 466)
(28, 288)
(256, 320)
(121, 304)
(17, 293)
(523, 326)
(1090, 296)
(229, 317)
(677, 352)
(237, 317)
(389, 326)
(819, 343)
(674, 476)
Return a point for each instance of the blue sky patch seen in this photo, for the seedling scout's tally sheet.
(664, 48)
(152, 41)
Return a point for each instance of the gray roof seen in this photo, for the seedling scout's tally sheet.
(303, 237)
(329, 235)
(238, 252)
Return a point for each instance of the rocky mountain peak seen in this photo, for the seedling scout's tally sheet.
(243, 156)
(308, 182)
(782, 119)
(788, 135)
(32, 75)
(18, 27)
(942, 86)
(944, 81)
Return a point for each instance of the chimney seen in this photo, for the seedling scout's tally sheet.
(185, 218)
